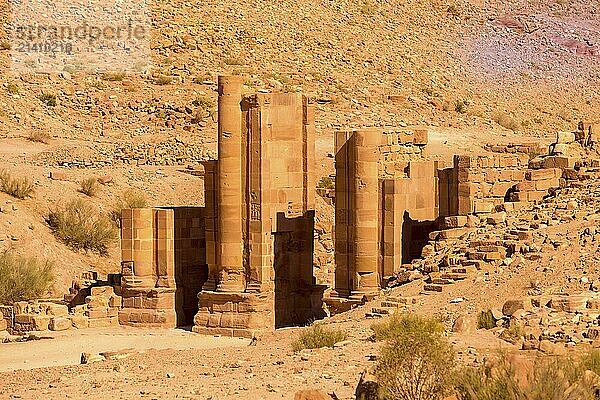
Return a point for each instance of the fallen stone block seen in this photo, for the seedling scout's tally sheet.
(60, 324)
(513, 305)
(569, 304)
(433, 288)
(458, 221)
(58, 176)
(88, 358)
(79, 321)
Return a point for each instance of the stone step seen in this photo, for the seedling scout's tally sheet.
(433, 288)
(402, 300)
(456, 276)
(383, 310)
(442, 281)
(465, 269)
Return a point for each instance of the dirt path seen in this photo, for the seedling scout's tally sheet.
(65, 348)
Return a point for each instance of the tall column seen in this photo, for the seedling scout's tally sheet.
(230, 238)
(365, 210)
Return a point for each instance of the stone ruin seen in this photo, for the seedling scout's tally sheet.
(243, 262)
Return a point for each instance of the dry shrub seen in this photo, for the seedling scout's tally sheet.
(48, 99)
(113, 76)
(23, 278)
(39, 136)
(89, 186)
(549, 378)
(415, 360)
(129, 199)
(81, 226)
(317, 337)
(506, 121)
(20, 188)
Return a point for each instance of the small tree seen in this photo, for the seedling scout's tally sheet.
(415, 360)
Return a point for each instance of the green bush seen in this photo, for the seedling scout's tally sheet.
(81, 226)
(163, 80)
(486, 320)
(20, 188)
(23, 278)
(326, 183)
(416, 361)
(48, 99)
(317, 337)
(90, 187)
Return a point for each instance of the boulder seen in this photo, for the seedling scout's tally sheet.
(464, 324)
(511, 306)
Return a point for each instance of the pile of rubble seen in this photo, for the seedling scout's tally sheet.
(87, 306)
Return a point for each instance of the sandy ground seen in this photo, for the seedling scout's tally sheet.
(65, 348)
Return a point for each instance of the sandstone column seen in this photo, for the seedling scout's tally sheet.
(230, 238)
(365, 211)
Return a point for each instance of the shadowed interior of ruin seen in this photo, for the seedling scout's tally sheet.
(415, 236)
(293, 264)
(191, 270)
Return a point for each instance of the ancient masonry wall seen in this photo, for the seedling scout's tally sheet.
(383, 188)
(260, 215)
(148, 267)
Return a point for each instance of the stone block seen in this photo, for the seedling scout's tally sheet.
(421, 136)
(105, 291)
(559, 162)
(482, 207)
(565, 137)
(58, 176)
(40, 322)
(569, 304)
(545, 184)
(57, 310)
(24, 319)
(3, 324)
(79, 321)
(100, 323)
(98, 313)
(513, 305)
(546, 173)
(60, 324)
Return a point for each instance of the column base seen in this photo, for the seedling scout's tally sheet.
(234, 313)
(148, 307)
